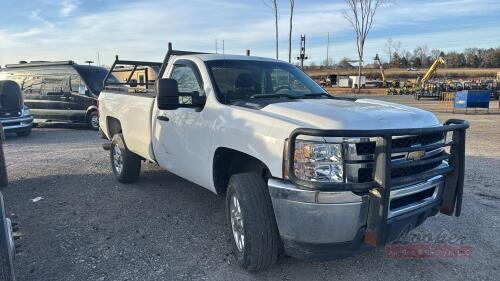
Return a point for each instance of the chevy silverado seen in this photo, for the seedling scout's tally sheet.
(303, 172)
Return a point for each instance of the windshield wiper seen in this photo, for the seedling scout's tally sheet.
(313, 95)
(290, 96)
(266, 96)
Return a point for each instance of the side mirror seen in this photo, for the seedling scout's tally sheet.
(169, 98)
(167, 94)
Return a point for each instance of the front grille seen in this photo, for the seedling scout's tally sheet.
(367, 148)
(360, 161)
(10, 124)
(410, 199)
(365, 174)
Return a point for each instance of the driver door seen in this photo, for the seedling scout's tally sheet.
(181, 136)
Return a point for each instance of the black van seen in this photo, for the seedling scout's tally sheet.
(59, 91)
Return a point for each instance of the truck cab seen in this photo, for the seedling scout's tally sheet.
(302, 171)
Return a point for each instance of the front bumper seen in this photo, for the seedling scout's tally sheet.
(17, 124)
(324, 225)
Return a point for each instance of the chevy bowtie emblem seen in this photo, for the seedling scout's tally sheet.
(415, 155)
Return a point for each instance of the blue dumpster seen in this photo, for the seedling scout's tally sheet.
(472, 99)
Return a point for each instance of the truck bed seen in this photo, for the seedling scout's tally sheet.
(134, 110)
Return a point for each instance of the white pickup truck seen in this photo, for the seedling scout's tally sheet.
(303, 172)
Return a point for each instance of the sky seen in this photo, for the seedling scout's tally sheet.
(98, 30)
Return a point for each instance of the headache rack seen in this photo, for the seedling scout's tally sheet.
(136, 64)
(382, 176)
(129, 81)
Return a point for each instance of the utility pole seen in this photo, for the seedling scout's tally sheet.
(223, 50)
(328, 50)
(98, 59)
(302, 56)
(216, 50)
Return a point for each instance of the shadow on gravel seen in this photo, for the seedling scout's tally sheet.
(62, 125)
(42, 136)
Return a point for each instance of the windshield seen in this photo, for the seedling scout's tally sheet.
(94, 77)
(237, 80)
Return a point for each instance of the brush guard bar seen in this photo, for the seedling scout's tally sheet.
(379, 188)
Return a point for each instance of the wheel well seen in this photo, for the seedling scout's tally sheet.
(228, 162)
(90, 110)
(114, 126)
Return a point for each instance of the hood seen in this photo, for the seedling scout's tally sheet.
(362, 114)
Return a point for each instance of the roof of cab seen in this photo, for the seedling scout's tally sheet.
(211, 57)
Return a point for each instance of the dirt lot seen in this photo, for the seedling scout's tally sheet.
(89, 227)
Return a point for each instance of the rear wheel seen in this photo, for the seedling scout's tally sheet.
(93, 120)
(126, 164)
(251, 218)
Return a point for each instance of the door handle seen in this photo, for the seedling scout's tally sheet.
(162, 118)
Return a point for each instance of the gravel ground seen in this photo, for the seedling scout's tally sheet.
(90, 227)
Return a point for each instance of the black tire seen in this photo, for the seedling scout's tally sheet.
(6, 246)
(24, 133)
(93, 120)
(3, 167)
(261, 238)
(126, 165)
(101, 134)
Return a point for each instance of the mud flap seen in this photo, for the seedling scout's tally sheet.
(454, 182)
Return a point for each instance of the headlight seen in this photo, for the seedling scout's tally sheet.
(316, 161)
(25, 111)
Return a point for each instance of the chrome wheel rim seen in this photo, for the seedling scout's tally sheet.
(94, 121)
(237, 223)
(117, 159)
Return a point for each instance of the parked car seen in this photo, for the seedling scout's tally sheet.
(7, 246)
(14, 115)
(319, 175)
(59, 91)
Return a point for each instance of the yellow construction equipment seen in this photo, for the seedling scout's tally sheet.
(420, 88)
(382, 73)
(439, 61)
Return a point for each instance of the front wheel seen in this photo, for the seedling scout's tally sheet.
(126, 164)
(251, 218)
(93, 120)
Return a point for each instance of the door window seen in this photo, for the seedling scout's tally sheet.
(187, 80)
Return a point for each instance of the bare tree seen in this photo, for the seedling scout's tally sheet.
(274, 6)
(360, 14)
(392, 48)
(389, 49)
(292, 6)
